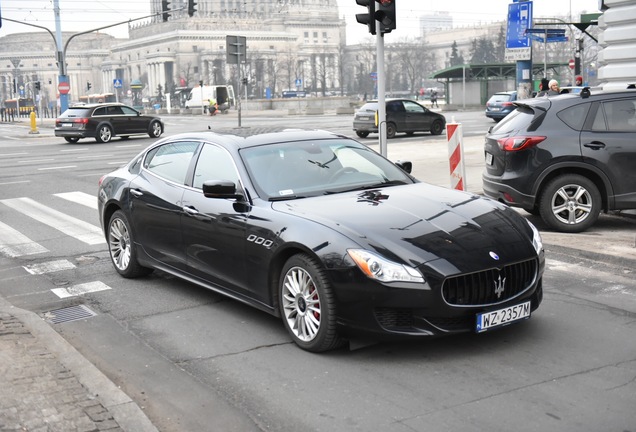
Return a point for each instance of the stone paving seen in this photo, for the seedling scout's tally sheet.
(38, 393)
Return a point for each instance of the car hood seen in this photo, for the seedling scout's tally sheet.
(450, 231)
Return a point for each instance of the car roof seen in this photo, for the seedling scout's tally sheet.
(244, 137)
(95, 105)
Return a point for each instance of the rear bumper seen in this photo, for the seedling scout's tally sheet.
(506, 194)
(71, 133)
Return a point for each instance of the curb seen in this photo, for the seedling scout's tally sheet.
(124, 410)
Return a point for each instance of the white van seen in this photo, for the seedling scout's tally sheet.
(199, 97)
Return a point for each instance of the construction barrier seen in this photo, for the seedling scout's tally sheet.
(455, 137)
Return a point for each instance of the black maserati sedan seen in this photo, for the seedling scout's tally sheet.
(323, 232)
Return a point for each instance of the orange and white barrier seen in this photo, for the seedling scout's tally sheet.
(455, 137)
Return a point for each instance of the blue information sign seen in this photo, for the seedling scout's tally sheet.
(519, 20)
(117, 83)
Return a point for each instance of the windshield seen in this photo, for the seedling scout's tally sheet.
(311, 168)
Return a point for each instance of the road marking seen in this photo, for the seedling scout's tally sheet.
(35, 160)
(55, 168)
(49, 267)
(80, 198)
(81, 289)
(118, 163)
(13, 154)
(74, 150)
(15, 182)
(83, 231)
(14, 244)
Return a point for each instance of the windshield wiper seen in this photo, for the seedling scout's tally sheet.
(368, 186)
(286, 197)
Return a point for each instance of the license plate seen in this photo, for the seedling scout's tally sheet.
(489, 320)
(494, 109)
(489, 158)
(363, 118)
(67, 124)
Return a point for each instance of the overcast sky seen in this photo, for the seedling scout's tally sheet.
(81, 15)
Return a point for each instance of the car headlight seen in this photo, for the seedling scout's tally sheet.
(537, 242)
(379, 268)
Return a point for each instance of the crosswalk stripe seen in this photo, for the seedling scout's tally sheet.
(49, 267)
(81, 289)
(83, 231)
(14, 244)
(80, 198)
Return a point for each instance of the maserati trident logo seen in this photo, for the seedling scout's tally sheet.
(500, 286)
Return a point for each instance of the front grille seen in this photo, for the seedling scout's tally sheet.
(490, 286)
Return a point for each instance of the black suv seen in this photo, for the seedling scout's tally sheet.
(104, 121)
(565, 157)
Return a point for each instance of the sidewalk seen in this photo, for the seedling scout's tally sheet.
(47, 386)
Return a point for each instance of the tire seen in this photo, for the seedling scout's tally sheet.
(71, 140)
(362, 134)
(155, 130)
(307, 304)
(121, 247)
(104, 134)
(437, 127)
(391, 130)
(570, 203)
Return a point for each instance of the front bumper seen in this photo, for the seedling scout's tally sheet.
(377, 312)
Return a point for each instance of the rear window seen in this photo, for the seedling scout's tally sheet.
(518, 120)
(500, 98)
(371, 106)
(76, 112)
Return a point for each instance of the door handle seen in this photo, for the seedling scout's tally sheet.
(136, 192)
(191, 210)
(595, 145)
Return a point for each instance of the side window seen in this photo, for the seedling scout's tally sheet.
(100, 111)
(621, 115)
(128, 111)
(413, 107)
(394, 107)
(171, 161)
(574, 116)
(214, 164)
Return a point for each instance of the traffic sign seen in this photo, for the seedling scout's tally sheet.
(518, 45)
(571, 63)
(63, 88)
(117, 83)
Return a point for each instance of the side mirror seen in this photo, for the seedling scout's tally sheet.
(220, 189)
(406, 166)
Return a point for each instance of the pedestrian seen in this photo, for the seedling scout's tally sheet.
(213, 107)
(553, 86)
(544, 86)
(434, 99)
(578, 81)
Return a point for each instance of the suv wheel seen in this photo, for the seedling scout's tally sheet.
(570, 203)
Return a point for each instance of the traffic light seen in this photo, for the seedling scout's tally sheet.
(367, 18)
(165, 9)
(192, 7)
(385, 15)
(88, 85)
(37, 85)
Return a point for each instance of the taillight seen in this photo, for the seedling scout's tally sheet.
(519, 143)
(101, 180)
(506, 104)
(80, 120)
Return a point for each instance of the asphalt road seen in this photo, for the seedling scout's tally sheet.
(194, 360)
